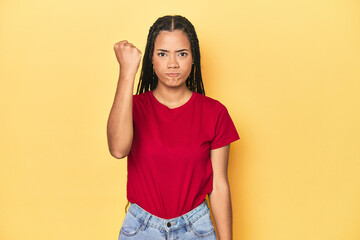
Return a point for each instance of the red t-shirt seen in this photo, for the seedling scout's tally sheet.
(169, 165)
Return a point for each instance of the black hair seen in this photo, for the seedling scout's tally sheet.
(148, 79)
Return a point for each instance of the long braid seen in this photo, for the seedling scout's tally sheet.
(148, 79)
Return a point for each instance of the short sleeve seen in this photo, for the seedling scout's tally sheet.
(225, 131)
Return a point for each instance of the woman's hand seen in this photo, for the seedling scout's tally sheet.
(128, 56)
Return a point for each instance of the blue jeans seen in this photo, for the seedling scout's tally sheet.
(140, 224)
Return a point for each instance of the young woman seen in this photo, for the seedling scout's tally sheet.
(175, 138)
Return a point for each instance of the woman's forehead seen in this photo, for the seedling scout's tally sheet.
(174, 39)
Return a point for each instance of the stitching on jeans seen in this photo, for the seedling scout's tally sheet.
(133, 214)
(137, 230)
(198, 217)
(150, 224)
(202, 235)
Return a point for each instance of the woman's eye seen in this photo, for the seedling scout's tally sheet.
(161, 54)
(183, 54)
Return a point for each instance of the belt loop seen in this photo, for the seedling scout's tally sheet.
(146, 221)
(187, 222)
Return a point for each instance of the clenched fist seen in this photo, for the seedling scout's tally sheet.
(128, 56)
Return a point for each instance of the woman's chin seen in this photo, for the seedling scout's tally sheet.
(174, 83)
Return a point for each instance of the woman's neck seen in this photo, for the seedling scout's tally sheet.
(172, 97)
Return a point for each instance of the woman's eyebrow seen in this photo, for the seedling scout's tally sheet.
(181, 50)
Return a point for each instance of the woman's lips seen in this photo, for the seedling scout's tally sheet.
(172, 74)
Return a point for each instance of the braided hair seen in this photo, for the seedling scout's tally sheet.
(148, 79)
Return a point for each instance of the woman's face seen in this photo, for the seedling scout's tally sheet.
(172, 58)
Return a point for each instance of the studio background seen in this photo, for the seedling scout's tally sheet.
(288, 72)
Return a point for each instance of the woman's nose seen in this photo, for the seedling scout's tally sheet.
(172, 62)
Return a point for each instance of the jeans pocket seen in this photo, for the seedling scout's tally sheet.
(131, 225)
(203, 227)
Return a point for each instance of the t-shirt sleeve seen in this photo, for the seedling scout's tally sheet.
(225, 131)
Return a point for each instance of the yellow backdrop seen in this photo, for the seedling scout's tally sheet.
(288, 72)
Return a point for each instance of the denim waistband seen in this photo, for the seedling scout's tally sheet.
(151, 220)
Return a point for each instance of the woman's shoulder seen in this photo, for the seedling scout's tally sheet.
(141, 97)
(209, 101)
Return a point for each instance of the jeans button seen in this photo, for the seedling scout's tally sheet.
(168, 224)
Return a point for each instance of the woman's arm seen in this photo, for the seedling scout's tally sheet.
(120, 122)
(220, 199)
